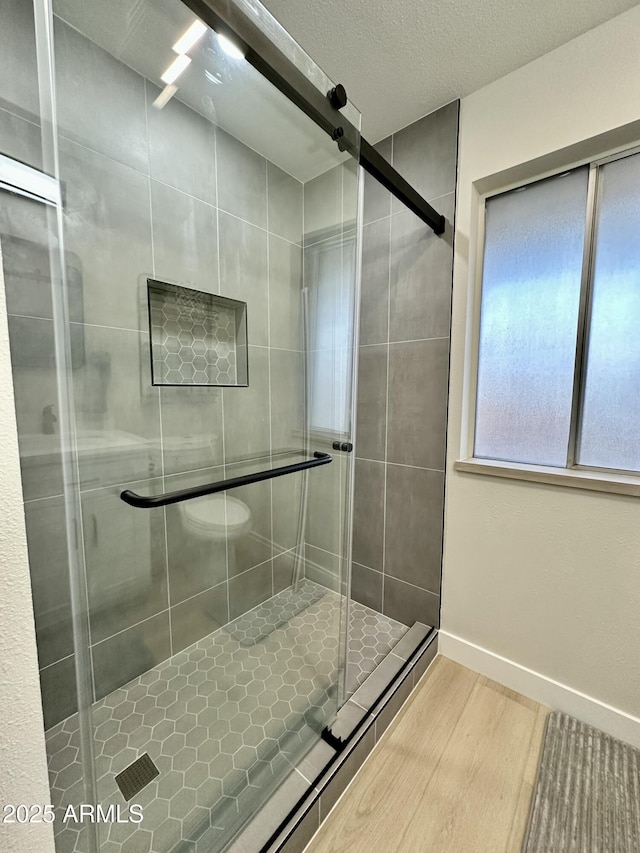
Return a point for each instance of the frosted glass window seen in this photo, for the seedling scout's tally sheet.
(610, 425)
(534, 243)
(328, 266)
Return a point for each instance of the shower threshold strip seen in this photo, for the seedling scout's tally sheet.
(149, 502)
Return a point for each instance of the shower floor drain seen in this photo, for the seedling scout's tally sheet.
(137, 776)
(225, 685)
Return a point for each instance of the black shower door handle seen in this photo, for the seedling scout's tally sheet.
(143, 502)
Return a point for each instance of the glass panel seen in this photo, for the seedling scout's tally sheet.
(292, 50)
(25, 243)
(530, 301)
(611, 404)
(216, 625)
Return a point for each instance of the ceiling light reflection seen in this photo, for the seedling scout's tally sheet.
(190, 37)
(230, 47)
(175, 69)
(167, 93)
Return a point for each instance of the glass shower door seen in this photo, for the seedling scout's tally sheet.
(209, 330)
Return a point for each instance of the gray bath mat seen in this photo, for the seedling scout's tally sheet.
(587, 796)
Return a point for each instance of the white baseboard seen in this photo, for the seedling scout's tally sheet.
(534, 685)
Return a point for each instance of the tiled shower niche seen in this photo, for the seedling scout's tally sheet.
(197, 338)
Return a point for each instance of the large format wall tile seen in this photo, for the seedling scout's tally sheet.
(287, 399)
(24, 236)
(130, 653)
(366, 586)
(420, 278)
(107, 226)
(371, 419)
(253, 546)
(285, 199)
(191, 428)
(195, 563)
(409, 604)
(182, 148)
(244, 273)
(35, 389)
(368, 521)
(25, 233)
(327, 494)
(199, 616)
(323, 206)
(418, 383)
(59, 693)
(20, 139)
(374, 293)
(18, 78)
(125, 560)
(96, 95)
(242, 180)
(185, 239)
(284, 566)
(285, 294)
(413, 525)
(46, 539)
(117, 409)
(24, 239)
(425, 153)
(246, 412)
(324, 568)
(250, 589)
(287, 492)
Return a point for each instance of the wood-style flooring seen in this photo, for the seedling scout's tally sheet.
(454, 773)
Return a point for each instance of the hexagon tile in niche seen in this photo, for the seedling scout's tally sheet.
(197, 338)
(224, 722)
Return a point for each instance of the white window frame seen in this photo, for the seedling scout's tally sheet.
(573, 476)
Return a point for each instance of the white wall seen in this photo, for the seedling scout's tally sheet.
(545, 577)
(23, 775)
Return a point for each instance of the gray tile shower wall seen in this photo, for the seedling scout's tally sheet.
(172, 197)
(403, 374)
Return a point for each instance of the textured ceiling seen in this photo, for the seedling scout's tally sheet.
(401, 59)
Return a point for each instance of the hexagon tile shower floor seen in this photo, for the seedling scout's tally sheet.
(221, 720)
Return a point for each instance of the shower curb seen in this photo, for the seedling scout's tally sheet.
(361, 723)
(304, 821)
